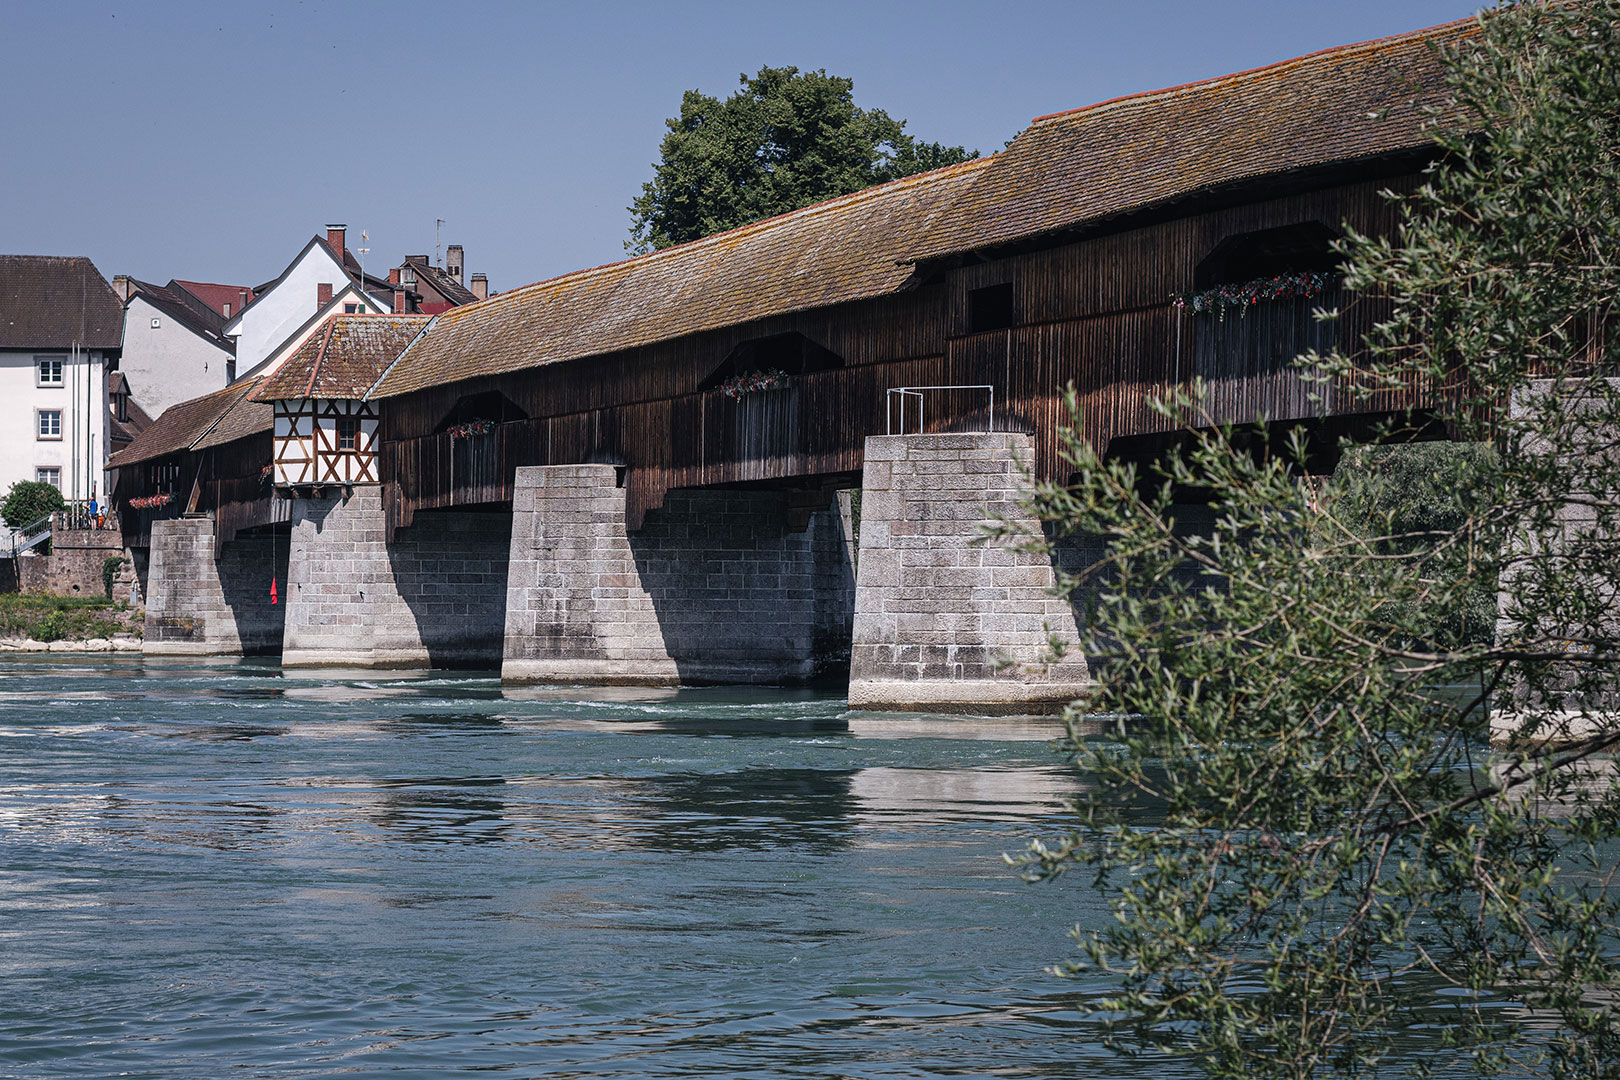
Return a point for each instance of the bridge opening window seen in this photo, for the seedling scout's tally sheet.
(1291, 249)
(160, 478)
(348, 431)
(991, 308)
(791, 354)
(493, 407)
(1253, 310)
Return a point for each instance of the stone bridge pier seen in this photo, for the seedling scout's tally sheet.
(199, 605)
(431, 597)
(717, 586)
(943, 621)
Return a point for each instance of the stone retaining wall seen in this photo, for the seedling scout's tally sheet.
(73, 568)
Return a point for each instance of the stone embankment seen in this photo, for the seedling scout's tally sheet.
(120, 643)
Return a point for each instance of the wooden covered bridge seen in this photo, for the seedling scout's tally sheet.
(632, 472)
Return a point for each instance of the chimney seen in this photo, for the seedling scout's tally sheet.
(123, 286)
(480, 286)
(334, 236)
(323, 294)
(393, 277)
(452, 262)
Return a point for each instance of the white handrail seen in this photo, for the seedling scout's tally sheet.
(904, 392)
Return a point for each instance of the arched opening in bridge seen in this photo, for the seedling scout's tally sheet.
(792, 354)
(492, 406)
(1252, 312)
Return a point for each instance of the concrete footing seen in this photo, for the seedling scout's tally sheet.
(944, 622)
(199, 606)
(717, 586)
(431, 598)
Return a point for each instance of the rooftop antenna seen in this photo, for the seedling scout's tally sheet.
(362, 252)
(438, 223)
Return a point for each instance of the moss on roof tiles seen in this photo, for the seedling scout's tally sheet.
(1065, 170)
(209, 420)
(344, 359)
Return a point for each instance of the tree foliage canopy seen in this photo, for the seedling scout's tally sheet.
(28, 501)
(786, 140)
(1331, 835)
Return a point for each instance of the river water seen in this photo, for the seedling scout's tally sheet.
(212, 869)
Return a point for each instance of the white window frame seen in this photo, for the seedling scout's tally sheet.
(39, 425)
(40, 477)
(41, 381)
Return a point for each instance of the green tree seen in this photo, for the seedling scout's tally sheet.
(1399, 497)
(786, 140)
(28, 501)
(1315, 854)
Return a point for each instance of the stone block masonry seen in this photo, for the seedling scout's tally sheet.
(718, 586)
(431, 598)
(944, 622)
(199, 606)
(73, 568)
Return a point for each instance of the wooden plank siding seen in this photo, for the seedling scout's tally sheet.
(227, 480)
(1096, 312)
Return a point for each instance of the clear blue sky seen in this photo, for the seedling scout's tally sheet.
(209, 141)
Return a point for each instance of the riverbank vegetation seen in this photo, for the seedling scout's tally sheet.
(1339, 863)
(65, 618)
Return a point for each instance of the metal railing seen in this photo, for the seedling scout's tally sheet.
(29, 536)
(77, 515)
(902, 394)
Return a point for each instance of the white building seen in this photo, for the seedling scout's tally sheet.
(281, 308)
(61, 326)
(348, 300)
(173, 351)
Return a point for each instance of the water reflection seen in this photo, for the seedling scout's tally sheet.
(941, 795)
(753, 809)
(986, 728)
(442, 810)
(217, 869)
(436, 724)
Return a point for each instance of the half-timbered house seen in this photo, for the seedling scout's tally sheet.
(325, 433)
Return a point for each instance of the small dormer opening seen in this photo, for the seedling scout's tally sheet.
(1306, 247)
(491, 405)
(793, 354)
(991, 308)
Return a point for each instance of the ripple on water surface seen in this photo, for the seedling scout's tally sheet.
(213, 867)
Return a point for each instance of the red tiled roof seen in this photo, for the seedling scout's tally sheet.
(216, 295)
(344, 359)
(1067, 169)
